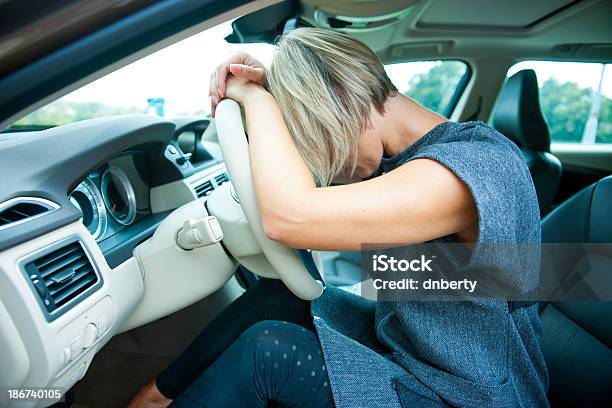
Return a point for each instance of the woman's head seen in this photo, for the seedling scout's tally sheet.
(326, 85)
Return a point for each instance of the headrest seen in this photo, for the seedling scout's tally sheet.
(583, 218)
(600, 222)
(517, 113)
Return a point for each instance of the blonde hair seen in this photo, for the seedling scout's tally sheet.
(325, 83)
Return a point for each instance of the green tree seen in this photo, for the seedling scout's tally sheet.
(604, 128)
(435, 88)
(566, 107)
(61, 112)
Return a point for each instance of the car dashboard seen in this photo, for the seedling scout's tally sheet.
(79, 202)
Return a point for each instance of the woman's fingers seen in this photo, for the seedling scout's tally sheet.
(220, 77)
(255, 74)
(241, 65)
(212, 92)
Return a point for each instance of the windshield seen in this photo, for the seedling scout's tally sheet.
(171, 82)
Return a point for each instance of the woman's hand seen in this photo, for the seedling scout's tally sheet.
(240, 65)
(242, 90)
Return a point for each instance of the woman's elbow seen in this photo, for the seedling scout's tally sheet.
(279, 229)
(272, 228)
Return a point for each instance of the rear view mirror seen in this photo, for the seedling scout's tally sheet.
(262, 26)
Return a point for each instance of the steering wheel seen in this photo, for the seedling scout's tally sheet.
(235, 148)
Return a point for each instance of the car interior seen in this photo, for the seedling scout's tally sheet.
(102, 280)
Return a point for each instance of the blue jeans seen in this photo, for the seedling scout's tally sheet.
(236, 358)
(270, 361)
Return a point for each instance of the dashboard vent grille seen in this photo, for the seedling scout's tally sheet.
(207, 186)
(18, 210)
(204, 189)
(62, 275)
(221, 178)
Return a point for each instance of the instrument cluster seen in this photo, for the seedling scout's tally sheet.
(114, 196)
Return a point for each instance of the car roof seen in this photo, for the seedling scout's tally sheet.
(517, 29)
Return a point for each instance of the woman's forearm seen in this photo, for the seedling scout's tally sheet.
(281, 178)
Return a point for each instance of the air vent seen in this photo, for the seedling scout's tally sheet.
(206, 186)
(21, 209)
(61, 277)
(221, 178)
(204, 189)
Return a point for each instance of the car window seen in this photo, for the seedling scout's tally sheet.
(174, 82)
(436, 85)
(171, 82)
(576, 99)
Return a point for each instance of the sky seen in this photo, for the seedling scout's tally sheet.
(180, 74)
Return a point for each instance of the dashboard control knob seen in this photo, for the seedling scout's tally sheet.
(66, 355)
(90, 332)
(182, 159)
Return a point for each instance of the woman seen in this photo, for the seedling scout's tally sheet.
(326, 109)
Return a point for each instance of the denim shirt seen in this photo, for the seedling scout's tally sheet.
(476, 353)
